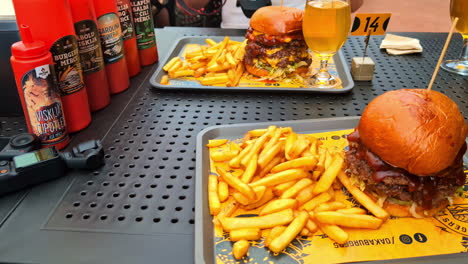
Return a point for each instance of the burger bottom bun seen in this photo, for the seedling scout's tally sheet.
(405, 210)
(262, 72)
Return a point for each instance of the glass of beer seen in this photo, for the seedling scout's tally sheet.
(325, 26)
(459, 8)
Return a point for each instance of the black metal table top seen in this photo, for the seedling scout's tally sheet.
(139, 208)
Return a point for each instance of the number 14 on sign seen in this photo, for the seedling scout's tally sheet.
(370, 24)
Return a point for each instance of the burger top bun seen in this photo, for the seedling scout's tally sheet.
(414, 129)
(277, 20)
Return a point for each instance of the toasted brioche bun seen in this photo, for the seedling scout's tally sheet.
(405, 210)
(277, 20)
(259, 72)
(417, 130)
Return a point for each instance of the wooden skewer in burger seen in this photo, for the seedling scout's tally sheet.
(407, 151)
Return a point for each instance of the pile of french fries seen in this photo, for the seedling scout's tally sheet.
(216, 64)
(289, 181)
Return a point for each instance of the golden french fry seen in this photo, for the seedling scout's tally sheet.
(257, 132)
(171, 63)
(314, 202)
(362, 198)
(320, 167)
(330, 206)
(274, 233)
(281, 177)
(220, 50)
(215, 80)
(236, 183)
(328, 159)
(274, 139)
(216, 143)
(241, 198)
(312, 226)
(353, 210)
(296, 188)
(259, 192)
(245, 234)
(240, 249)
(164, 80)
(278, 205)
(228, 208)
(290, 142)
(222, 57)
(329, 175)
(288, 235)
(223, 191)
(250, 169)
(262, 222)
(230, 59)
(199, 72)
(197, 65)
(175, 66)
(334, 233)
(181, 73)
(267, 196)
(304, 162)
(279, 189)
(231, 74)
(301, 144)
(264, 160)
(304, 232)
(305, 195)
(313, 148)
(235, 162)
(265, 170)
(210, 42)
(258, 144)
(213, 200)
(238, 74)
(222, 155)
(349, 220)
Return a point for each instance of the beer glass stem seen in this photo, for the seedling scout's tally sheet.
(323, 75)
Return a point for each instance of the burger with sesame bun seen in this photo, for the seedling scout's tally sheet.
(407, 152)
(275, 45)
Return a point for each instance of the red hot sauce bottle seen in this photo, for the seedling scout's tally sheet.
(112, 45)
(144, 28)
(128, 34)
(50, 21)
(89, 46)
(35, 79)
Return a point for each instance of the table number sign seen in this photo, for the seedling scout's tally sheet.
(370, 24)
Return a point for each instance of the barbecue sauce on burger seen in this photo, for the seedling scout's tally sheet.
(428, 184)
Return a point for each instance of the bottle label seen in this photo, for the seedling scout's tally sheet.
(144, 27)
(89, 46)
(43, 105)
(67, 65)
(111, 37)
(125, 15)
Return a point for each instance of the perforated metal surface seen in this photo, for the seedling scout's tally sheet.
(147, 184)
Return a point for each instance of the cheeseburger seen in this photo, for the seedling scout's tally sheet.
(275, 44)
(407, 151)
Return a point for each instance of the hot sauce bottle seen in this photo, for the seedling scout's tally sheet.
(50, 21)
(112, 45)
(128, 35)
(144, 28)
(35, 79)
(89, 46)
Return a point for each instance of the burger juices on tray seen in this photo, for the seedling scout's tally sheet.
(407, 151)
(276, 48)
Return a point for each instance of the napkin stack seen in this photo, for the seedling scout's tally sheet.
(398, 45)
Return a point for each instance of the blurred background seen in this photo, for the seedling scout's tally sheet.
(407, 15)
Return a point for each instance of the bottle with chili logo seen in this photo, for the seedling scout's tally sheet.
(54, 26)
(128, 34)
(144, 29)
(112, 45)
(89, 46)
(35, 78)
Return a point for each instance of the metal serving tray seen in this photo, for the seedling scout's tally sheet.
(204, 235)
(339, 60)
